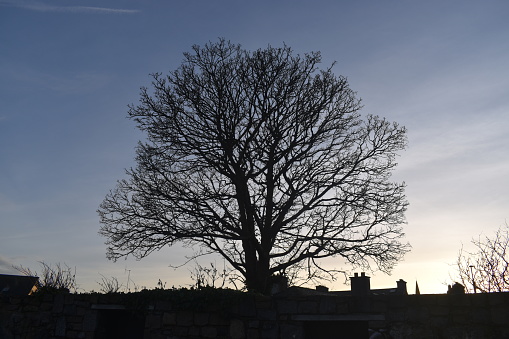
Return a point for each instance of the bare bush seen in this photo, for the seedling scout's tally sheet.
(486, 269)
(58, 277)
(204, 276)
(109, 285)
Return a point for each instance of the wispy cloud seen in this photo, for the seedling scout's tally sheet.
(42, 7)
(6, 266)
(72, 82)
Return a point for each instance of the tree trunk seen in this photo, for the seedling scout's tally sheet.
(257, 273)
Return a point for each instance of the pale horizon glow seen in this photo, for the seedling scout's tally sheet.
(69, 69)
(43, 7)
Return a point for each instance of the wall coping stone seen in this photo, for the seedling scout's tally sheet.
(338, 317)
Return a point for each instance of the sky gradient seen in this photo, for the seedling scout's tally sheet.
(69, 68)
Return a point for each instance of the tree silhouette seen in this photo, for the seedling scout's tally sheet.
(263, 158)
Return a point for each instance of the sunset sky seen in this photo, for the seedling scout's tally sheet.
(69, 68)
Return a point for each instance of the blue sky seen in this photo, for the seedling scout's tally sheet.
(69, 68)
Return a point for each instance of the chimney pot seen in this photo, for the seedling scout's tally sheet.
(401, 287)
(360, 285)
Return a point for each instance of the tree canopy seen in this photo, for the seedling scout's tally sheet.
(263, 158)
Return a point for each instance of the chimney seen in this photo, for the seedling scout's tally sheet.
(401, 289)
(360, 285)
(321, 288)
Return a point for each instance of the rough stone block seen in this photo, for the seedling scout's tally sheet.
(291, 331)
(247, 308)
(480, 316)
(455, 332)
(397, 301)
(70, 309)
(153, 321)
(458, 300)
(223, 331)
(253, 323)
(81, 311)
(398, 316)
(269, 329)
(194, 331)
(402, 331)
(185, 318)
(308, 307)
(417, 314)
(216, 319)
(93, 298)
(201, 319)
(180, 331)
(68, 298)
(267, 314)
(208, 332)
(12, 308)
(439, 310)
(14, 300)
(342, 307)
(237, 330)
(500, 316)
(169, 319)
(90, 321)
(377, 324)
(378, 306)
(438, 322)
(82, 303)
(75, 326)
(71, 334)
(45, 318)
(253, 334)
(327, 305)
(441, 299)
(58, 304)
(60, 327)
(30, 308)
(263, 303)
(496, 299)
(162, 305)
(287, 306)
(46, 307)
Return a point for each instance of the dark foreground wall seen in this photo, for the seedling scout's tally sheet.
(237, 315)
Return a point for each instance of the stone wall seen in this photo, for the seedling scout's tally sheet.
(447, 316)
(235, 315)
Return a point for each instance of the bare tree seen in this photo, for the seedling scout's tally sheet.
(486, 269)
(263, 158)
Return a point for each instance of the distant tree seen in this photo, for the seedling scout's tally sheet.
(486, 268)
(263, 158)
